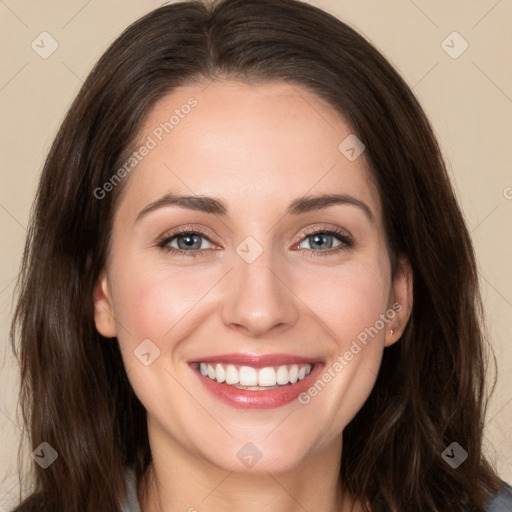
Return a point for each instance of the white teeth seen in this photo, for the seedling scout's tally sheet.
(282, 375)
(231, 374)
(267, 377)
(256, 378)
(248, 376)
(294, 374)
(220, 373)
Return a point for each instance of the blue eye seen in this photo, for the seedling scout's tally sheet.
(323, 239)
(189, 243)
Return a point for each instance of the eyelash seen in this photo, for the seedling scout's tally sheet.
(340, 235)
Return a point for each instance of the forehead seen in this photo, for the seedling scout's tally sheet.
(267, 142)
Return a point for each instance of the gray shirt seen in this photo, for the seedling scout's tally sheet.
(132, 503)
(501, 502)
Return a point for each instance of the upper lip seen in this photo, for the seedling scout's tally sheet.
(255, 360)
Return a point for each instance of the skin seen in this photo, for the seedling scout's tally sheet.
(256, 147)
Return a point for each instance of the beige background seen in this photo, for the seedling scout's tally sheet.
(468, 100)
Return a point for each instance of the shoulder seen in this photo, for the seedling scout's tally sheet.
(502, 501)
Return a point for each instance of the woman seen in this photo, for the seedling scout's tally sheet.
(182, 347)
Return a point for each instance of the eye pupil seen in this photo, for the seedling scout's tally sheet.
(321, 239)
(191, 242)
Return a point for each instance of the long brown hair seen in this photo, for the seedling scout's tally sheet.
(75, 394)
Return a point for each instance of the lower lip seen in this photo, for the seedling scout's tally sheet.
(250, 399)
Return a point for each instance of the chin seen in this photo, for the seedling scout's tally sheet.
(258, 458)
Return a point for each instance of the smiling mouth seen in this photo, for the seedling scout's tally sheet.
(254, 379)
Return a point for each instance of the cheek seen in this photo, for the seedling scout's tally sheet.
(349, 299)
(152, 298)
(156, 302)
(351, 305)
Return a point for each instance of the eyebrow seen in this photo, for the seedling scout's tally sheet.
(216, 206)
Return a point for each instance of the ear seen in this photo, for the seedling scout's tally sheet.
(401, 298)
(103, 310)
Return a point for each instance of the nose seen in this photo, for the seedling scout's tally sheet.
(257, 297)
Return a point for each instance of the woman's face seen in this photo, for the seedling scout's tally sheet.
(261, 288)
